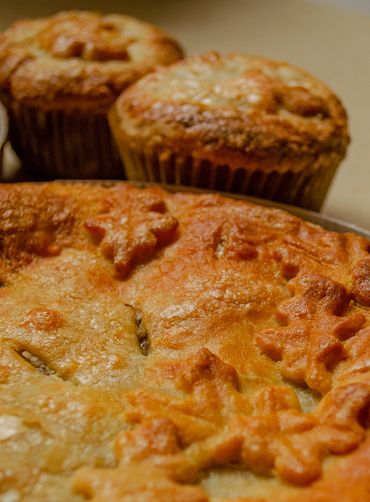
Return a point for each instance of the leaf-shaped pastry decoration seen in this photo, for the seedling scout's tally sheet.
(132, 235)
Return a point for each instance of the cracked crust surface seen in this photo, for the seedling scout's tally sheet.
(235, 109)
(180, 347)
(78, 58)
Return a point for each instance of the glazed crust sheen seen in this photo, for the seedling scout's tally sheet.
(235, 109)
(179, 347)
(79, 58)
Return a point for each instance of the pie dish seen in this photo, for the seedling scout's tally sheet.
(179, 347)
(236, 123)
(59, 75)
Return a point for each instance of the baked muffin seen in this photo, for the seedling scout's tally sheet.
(161, 347)
(58, 77)
(234, 123)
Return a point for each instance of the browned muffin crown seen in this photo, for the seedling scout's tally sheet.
(235, 109)
(79, 57)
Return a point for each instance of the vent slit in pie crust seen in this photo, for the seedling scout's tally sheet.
(36, 362)
(141, 332)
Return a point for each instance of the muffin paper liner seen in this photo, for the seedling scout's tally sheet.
(306, 188)
(63, 144)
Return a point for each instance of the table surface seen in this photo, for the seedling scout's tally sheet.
(329, 38)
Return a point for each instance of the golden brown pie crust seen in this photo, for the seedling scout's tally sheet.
(179, 347)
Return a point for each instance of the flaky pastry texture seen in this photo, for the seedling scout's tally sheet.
(179, 347)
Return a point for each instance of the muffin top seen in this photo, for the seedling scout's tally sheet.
(79, 57)
(235, 104)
